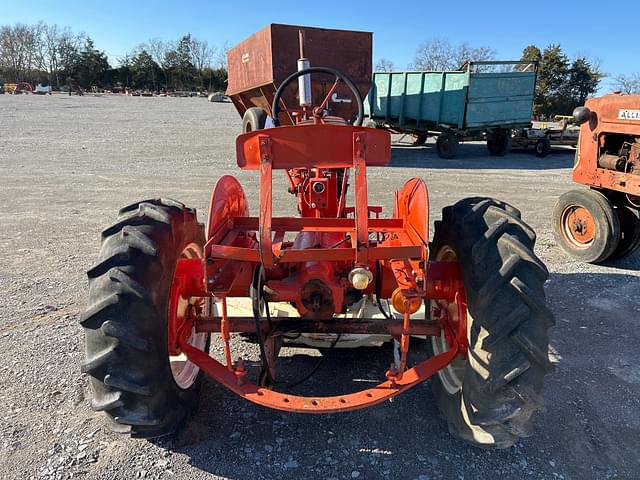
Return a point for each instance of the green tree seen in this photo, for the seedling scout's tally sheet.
(530, 54)
(562, 84)
(583, 80)
(552, 80)
(215, 79)
(183, 70)
(145, 71)
(92, 66)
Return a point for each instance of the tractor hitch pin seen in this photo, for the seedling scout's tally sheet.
(224, 333)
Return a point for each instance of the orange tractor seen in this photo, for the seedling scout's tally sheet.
(164, 283)
(603, 222)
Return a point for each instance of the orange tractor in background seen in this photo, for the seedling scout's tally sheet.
(603, 222)
(165, 286)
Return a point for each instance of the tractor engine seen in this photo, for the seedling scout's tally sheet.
(620, 153)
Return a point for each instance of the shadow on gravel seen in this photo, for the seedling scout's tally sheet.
(475, 156)
(407, 438)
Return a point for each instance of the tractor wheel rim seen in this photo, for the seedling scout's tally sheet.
(184, 371)
(578, 226)
(450, 376)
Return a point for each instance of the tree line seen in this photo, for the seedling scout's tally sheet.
(56, 56)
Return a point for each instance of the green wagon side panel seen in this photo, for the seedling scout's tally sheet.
(418, 97)
(461, 100)
(500, 99)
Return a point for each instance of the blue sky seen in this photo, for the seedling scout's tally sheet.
(583, 27)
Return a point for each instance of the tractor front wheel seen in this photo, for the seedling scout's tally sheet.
(138, 376)
(489, 395)
(586, 225)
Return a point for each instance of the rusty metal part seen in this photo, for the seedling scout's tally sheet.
(258, 65)
(365, 326)
(237, 382)
(612, 162)
(578, 226)
(613, 120)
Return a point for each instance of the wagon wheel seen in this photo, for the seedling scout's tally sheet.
(447, 145)
(543, 147)
(254, 118)
(320, 111)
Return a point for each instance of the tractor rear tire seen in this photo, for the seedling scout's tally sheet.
(543, 147)
(586, 225)
(499, 383)
(126, 321)
(254, 118)
(629, 232)
(447, 145)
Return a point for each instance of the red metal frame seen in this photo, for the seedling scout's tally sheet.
(312, 271)
(606, 110)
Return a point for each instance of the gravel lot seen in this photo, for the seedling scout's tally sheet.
(68, 163)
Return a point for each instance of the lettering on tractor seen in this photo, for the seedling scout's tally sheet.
(164, 282)
(602, 222)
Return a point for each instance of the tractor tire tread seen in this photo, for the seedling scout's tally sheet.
(125, 336)
(109, 401)
(126, 357)
(128, 385)
(99, 360)
(504, 280)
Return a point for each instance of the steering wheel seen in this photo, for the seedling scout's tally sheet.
(318, 111)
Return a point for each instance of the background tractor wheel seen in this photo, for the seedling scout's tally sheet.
(543, 147)
(447, 145)
(143, 390)
(629, 232)
(499, 143)
(489, 397)
(586, 226)
(254, 118)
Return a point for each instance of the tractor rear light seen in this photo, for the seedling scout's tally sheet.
(400, 302)
(360, 278)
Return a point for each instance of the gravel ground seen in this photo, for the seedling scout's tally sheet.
(68, 163)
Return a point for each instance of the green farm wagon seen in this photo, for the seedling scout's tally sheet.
(486, 99)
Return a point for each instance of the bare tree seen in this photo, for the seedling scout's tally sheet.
(55, 50)
(627, 83)
(439, 54)
(17, 50)
(384, 65)
(220, 58)
(157, 48)
(201, 56)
